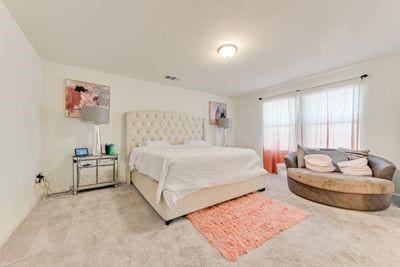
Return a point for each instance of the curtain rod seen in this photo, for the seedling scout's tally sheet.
(362, 77)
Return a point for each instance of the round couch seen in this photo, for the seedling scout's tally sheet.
(345, 191)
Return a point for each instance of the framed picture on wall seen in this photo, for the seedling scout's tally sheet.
(217, 111)
(79, 94)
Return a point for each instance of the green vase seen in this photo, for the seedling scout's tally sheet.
(111, 149)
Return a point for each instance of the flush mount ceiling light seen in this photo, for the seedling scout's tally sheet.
(227, 50)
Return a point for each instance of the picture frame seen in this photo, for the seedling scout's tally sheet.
(217, 110)
(79, 94)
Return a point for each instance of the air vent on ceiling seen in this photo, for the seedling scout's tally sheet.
(172, 78)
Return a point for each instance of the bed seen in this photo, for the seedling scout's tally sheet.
(182, 178)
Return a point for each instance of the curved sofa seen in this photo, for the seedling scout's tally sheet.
(344, 191)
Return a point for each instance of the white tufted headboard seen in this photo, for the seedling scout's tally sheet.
(174, 127)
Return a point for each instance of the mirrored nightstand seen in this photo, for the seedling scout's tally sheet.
(94, 171)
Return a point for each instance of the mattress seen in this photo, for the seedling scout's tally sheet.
(184, 169)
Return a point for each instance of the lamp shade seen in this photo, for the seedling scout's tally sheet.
(95, 114)
(225, 123)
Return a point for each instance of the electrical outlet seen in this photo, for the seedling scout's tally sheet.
(39, 178)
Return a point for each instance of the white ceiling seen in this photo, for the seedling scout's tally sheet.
(278, 40)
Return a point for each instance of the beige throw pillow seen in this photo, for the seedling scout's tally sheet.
(358, 167)
(335, 155)
(319, 163)
(301, 152)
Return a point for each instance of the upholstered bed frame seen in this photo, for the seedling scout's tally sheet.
(177, 128)
(174, 127)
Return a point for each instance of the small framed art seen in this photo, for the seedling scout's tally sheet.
(217, 111)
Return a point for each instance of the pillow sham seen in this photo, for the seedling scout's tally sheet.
(156, 143)
(358, 167)
(319, 163)
(196, 142)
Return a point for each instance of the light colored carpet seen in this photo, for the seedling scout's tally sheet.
(116, 227)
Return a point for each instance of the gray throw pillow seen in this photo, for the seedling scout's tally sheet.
(355, 154)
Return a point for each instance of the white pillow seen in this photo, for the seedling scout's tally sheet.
(156, 143)
(357, 167)
(319, 163)
(196, 142)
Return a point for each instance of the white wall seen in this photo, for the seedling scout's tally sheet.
(380, 107)
(20, 103)
(61, 135)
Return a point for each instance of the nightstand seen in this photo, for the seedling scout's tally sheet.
(94, 171)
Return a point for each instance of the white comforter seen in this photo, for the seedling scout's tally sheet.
(184, 169)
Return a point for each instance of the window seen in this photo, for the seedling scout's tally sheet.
(325, 117)
(279, 123)
(329, 117)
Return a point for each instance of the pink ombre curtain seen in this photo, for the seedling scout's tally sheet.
(279, 130)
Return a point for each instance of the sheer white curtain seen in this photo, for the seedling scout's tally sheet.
(324, 117)
(329, 116)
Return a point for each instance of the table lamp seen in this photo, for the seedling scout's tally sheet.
(225, 123)
(97, 115)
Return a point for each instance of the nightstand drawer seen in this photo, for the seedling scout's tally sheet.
(106, 174)
(103, 162)
(87, 163)
(87, 176)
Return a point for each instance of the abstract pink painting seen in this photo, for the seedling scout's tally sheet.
(79, 94)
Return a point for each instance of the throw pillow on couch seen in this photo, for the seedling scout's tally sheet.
(336, 155)
(357, 167)
(346, 161)
(355, 154)
(319, 163)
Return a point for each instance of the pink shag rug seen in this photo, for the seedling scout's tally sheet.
(236, 226)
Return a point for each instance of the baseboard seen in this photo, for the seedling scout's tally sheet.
(20, 220)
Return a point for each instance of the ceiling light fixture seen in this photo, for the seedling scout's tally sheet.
(227, 50)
